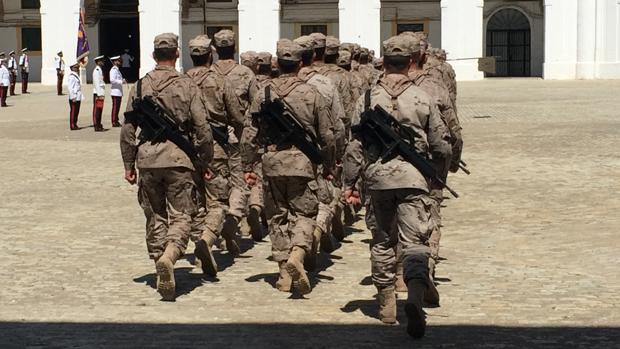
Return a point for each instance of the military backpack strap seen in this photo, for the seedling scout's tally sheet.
(268, 92)
(367, 100)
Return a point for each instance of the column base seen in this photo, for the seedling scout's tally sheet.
(467, 70)
(48, 77)
(559, 71)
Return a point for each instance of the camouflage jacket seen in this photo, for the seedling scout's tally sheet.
(414, 108)
(331, 97)
(241, 78)
(222, 103)
(310, 110)
(179, 95)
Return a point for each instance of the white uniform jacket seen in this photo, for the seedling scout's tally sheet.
(116, 82)
(98, 83)
(75, 87)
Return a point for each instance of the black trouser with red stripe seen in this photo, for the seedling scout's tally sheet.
(97, 113)
(13, 77)
(4, 90)
(60, 77)
(24, 82)
(116, 108)
(74, 112)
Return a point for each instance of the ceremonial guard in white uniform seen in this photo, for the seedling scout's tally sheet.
(75, 96)
(24, 65)
(59, 64)
(116, 89)
(98, 94)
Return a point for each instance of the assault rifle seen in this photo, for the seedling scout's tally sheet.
(157, 126)
(220, 135)
(379, 127)
(277, 126)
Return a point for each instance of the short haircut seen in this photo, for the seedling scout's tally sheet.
(396, 63)
(264, 69)
(287, 67)
(331, 59)
(320, 52)
(165, 54)
(200, 60)
(227, 52)
(307, 56)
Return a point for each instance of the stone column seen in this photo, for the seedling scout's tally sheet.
(586, 39)
(608, 39)
(462, 36)
(259, 25)
(59, 28)
(156, 17)
(561, 39)
(360, 22)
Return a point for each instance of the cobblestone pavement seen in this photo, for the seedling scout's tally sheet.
(531, 248)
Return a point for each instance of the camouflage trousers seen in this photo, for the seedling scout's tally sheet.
(215, 198)
(436, 197)
(404, 219)
(296, 206)
(329, 197)
(239, 190)
(169, 198)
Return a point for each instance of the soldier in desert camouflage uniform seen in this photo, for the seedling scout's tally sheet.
(243, 81)
(330, 198)
(168, 192)
(225, 113)
(397, 187)
(292, 177)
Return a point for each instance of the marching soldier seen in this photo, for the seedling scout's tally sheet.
(243, 81)
(397, 187)
(59, 63)
(378, 64)
(116, 89)
(4, 80)
(250, 60)
(167, 187)
(263, 74)
(12, 66)
(292, 177)
(24, 66)
(75, 96)
(329, 193)
(224, 112)
(98, 94)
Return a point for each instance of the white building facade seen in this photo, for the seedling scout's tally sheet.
(553, 39)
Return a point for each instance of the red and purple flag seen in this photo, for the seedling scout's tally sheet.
(83, 49)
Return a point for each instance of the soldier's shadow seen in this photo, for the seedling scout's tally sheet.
(185, 281)
(370, 308)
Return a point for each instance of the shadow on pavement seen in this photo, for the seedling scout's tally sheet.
(303, 335)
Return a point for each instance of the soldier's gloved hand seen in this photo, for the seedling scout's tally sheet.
(130, 176)
(352, 197)
(250, 178)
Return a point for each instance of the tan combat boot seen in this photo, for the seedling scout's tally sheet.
(431, 296)
(284, 281)
(416, 324)
(229, 233)
(400, 284)
(295, 268)
(310, 261)
(204, 255)
(165, 272)
(387, 305)
(254, 221)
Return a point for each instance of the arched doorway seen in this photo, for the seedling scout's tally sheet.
(509, 40)
(119, 31)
